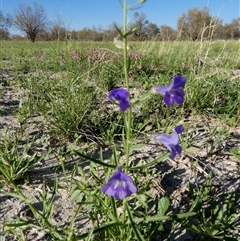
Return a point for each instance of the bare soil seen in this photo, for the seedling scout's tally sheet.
(207, 154)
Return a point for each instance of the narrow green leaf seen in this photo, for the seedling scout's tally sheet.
(97, 230)
(189, 225)
(19, 224)
(142, 98)
(93, 160)
(137, 147)
(162, 218)
(89, 237)
(114, 208)
(136, 231)
(152, 163)
(18, 196)
(118, 30)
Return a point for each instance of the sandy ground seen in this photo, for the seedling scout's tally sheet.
(207, 154)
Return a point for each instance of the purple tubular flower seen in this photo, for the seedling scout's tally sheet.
(171, 141)
(119, 185)
(121, 95)
(173, 93)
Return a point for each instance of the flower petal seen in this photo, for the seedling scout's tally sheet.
(172, 154)
(123, 104)
(164, 138)
(178, 149)
(179, 129)
(119, 185)
(173, 93)
(178, 96)
(162, 89)
(118, 94)
(171, 141)
(169, 99)
(178, 82)
(121, 95)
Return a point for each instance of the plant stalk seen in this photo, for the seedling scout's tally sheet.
(128, 115)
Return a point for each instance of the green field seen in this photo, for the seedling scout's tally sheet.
(211, 69)
(61, 90)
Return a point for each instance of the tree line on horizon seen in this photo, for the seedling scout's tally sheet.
(195, 24)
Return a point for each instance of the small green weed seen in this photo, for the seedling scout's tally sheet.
(15, 161)
(216, 215)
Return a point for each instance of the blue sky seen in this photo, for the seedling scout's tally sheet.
(78, 14)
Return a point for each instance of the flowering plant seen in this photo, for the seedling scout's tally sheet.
(122, 183)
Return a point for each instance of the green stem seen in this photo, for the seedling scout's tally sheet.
(128, 137)
(125, 7)
(128, 115)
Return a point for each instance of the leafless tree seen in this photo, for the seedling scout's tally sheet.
(139, 22)
(30, 20)
(167, 33)
(110, 32)
(5, 24)
(232, 30)
(152, 31)
(196, 24)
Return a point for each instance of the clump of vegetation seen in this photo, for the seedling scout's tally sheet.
(94, 97)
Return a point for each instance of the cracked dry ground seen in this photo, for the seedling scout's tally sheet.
(207, 154)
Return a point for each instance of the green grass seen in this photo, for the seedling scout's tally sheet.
(55, 73)
(67, 83)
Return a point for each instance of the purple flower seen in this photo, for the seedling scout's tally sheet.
(119, 185)
(171, 141)
(121, 95)
(173, 93)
